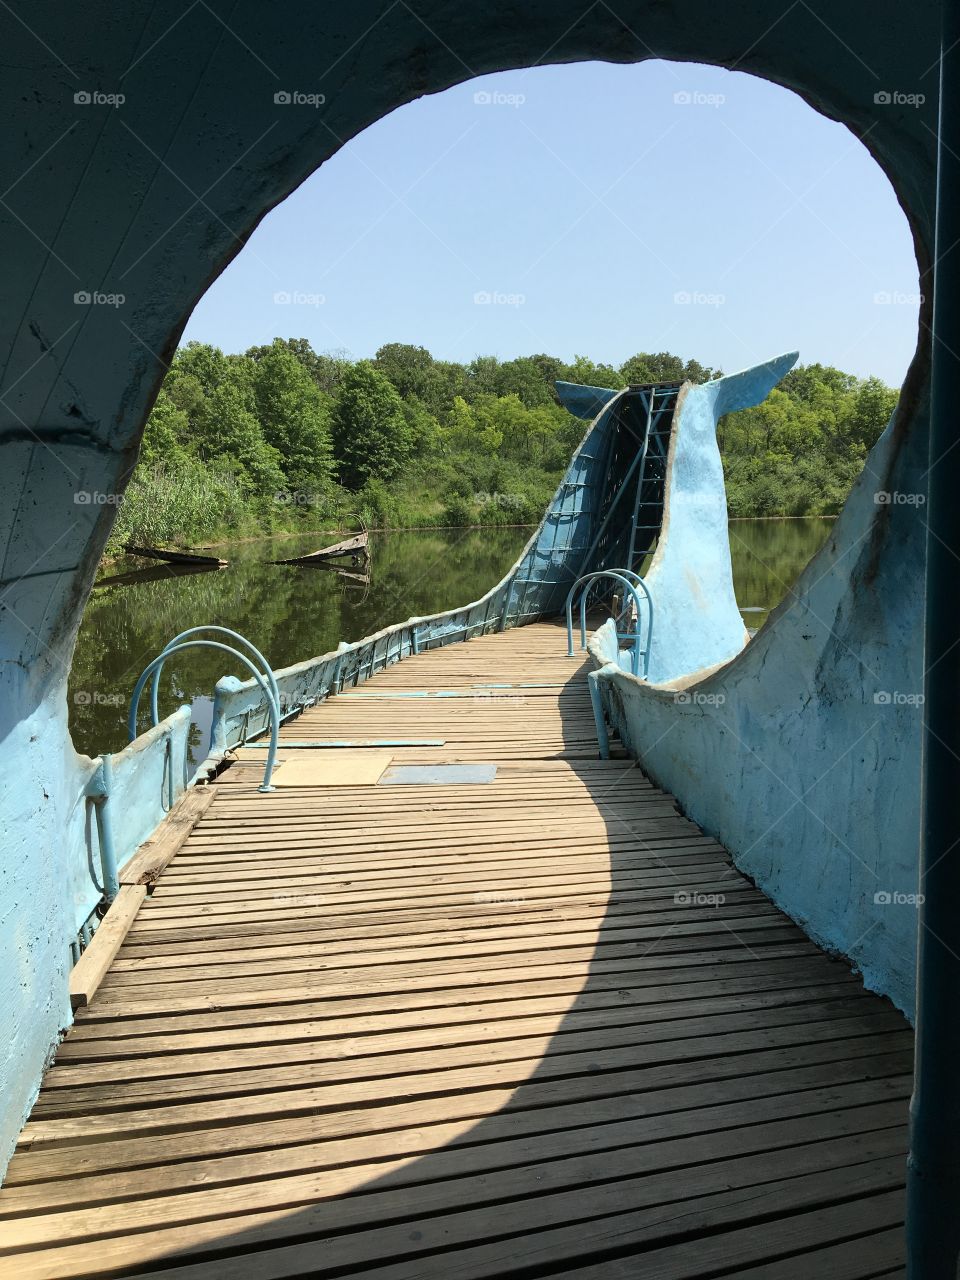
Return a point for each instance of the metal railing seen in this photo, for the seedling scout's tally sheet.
(641, 647)
(265, 678)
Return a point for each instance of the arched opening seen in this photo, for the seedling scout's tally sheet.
(400, 62)
(486, 240)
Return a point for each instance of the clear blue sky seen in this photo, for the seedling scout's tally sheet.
(585, 199)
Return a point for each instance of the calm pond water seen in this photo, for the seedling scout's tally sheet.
(293, 613)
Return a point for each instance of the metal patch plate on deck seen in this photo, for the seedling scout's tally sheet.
(438, 774)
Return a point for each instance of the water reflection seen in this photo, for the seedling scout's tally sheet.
(768, 556)
(295, 612)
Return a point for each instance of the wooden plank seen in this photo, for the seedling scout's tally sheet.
(156, 853)
(365, 967)
(424, 1228)
(334, 768)
(342, 1042)
(451, 947)
(689, 964)
(90, 970)
(679, 856)
(792, 1234)
(309, 941)
(508, 1134)
(551, 1159)
(170, 911)
(93, 1025)
(550, 905)
(650, 838)
(329, 1021)
(615, 1233)
(493, 1009)
(623, 1090)
(174, 557)
(879, 1254)
(380, 890)
(330, 1085)
(346, 546)
(424, 834)
(651, 903)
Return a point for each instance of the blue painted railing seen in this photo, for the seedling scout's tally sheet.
(126, 794)
(631, 582)
(265, 680)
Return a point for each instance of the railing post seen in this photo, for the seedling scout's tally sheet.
(596, 701)
(104, 816)
(622, 576)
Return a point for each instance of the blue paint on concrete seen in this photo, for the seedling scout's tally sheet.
(697, 621)
(802, 755)
(102, 198)
(584, 402)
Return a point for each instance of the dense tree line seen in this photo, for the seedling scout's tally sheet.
(283, 436)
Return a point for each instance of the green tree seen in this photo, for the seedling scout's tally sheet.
(419, 379)
(873, 404)
(232, 437)
(418, 439)
(202, 361)
(483, 375)
(371, 437)
(550, 369)
(524, 379)
(166, 431)
(294, 417)
(185, 392)
(664, 366)
(584, 371)
(409, 368)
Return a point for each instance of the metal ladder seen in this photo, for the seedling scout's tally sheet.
(647, 515)
(643, 424)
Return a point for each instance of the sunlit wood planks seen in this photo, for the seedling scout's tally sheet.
(539, 1025)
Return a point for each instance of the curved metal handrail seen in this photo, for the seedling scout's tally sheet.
(622, 576)
(637, 582)
(223, 631)
(265, 679)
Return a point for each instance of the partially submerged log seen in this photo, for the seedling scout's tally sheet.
(155, 573)
(173, 557)
(353, 546)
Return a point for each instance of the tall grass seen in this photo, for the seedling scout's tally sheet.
(190, 503)
(181, 505)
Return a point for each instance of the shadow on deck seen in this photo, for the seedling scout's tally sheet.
(536, 1028)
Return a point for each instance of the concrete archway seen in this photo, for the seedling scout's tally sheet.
(151, 197)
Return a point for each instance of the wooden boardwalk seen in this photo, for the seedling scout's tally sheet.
(537, 1026)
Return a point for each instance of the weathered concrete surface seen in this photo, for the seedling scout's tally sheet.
(803, 754)
(152, 198)
(696, 620)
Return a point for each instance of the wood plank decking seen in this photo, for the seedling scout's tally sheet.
(482, 1030)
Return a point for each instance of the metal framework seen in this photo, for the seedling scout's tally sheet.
(635, 466)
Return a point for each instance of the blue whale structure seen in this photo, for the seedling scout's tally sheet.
(608, 513)
(643, 492)
(811, 767)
